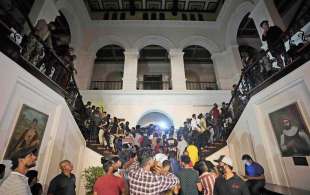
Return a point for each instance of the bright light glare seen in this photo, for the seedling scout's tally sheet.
(163, 125)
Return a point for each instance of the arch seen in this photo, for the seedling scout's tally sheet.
(162, 119)
(153, 40)
(108, 40)
(202, 41)
(234, 22)
(74, 25)
(155, 110)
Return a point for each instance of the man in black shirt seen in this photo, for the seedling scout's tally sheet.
(273, 35)
(64, 183)
(229, 183)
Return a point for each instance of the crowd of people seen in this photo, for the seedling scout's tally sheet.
(141, 171)
(202, 129)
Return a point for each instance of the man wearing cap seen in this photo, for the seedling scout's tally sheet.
(17, 183)
(229, 183)
(273, 36)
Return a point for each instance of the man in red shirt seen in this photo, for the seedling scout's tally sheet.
(109, 184)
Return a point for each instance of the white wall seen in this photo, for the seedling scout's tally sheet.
(253, 134)
(62, 138)
(90, 159)
(176, 105)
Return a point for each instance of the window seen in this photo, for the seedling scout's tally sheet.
(193, 17)
(114, 16)
(184, 17)
(145, 16)
(161, 16)
(153, 16)
(106, 16)
(122, 16)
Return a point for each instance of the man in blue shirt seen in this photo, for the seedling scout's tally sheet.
(254, 173)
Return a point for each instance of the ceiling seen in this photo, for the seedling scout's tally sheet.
(174, 6)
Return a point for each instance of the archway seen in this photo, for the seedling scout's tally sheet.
(156, 118)
(154, 72)
(108, 68)
(247, 33)
(199, 70)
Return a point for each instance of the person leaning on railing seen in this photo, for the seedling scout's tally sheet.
(273, 36)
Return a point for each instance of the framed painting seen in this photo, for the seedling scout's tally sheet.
(28, 131)
(291, 131)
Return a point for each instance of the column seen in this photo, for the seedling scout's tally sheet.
(227, 66)
(84, 66)
(266, 10)
(177, 69)
(130, 69)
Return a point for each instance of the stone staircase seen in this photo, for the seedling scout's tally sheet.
(216, 146)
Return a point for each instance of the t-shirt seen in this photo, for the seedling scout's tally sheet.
(232, 186)
(109, 185)
(254, 170)
(193, 153)
(62, 185)
(15, 184)
(188, 180)
(272, 37)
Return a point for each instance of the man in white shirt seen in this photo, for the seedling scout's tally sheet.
(182, 144)
(17, 183)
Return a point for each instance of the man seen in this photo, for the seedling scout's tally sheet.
(109, 184)
(203, 136)
(182, 144)
(229, 182)
(273, 35)
(294, 140)
(195, 129)
(254, 173)
(192, 152)
(189, 178)
(17, 183)
(144, 182)
(207, 176)
(64, 183)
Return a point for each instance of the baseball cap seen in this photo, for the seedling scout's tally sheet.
(160, 157)
(227, 160)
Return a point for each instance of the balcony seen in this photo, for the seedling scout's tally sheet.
(154, 85)
(193, 85)
(106, 85)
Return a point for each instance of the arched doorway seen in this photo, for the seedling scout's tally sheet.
(108, 68)
(199, 70)
(155, 118)
(154, 72)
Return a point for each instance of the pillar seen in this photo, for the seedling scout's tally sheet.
(84, 66)
(130, 69)
(177, 69)
(227, 66)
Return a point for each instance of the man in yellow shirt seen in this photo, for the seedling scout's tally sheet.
(192, 151)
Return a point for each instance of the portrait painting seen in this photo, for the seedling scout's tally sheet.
(28, 131)
(291, 131)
